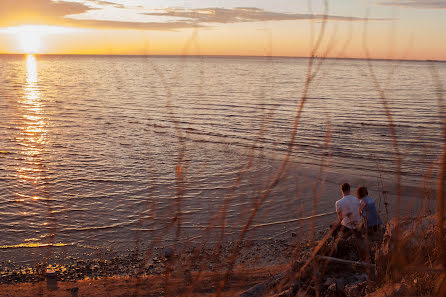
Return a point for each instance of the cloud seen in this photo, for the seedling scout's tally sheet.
(107, 3)
(423, 4)
(241, 14)
(48, 12)
(14, 12)
(104, 24)
(66, 13)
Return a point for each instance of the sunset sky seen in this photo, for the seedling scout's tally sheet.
(399, 29)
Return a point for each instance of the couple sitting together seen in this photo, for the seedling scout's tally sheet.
(356, 213)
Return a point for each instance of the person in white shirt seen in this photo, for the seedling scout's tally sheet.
(347, 209)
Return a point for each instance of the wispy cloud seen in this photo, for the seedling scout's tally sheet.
(104, 24)
(241, 14)
(107, 3)
(424, 4)
(52, 12)
(48, 12)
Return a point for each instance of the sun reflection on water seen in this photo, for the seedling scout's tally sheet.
(32, 173)
(33, 127)
(31, 69)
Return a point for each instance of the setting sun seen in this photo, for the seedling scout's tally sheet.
(30, 39)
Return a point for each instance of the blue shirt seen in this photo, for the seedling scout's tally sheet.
(369, 212)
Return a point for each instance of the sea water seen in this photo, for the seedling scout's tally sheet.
(115, 152)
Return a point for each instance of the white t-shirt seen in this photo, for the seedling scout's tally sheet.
(349, 207)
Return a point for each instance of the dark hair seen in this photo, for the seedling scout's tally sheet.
(345, 187)
(361, 192)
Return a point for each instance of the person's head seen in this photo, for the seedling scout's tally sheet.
(361, 192)
(345, 188)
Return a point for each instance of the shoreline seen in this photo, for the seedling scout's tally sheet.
(102, 262)
(251, 255)
(226, 57)
(261, 275)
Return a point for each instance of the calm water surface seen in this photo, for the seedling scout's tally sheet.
(100, 152)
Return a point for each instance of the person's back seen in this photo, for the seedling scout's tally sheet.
(348, 208)
(368, 211)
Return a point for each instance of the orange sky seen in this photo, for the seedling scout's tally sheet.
(395, 29)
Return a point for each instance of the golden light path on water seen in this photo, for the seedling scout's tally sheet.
(32, 138)
(33, 134)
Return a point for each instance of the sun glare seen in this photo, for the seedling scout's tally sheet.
(30, 39)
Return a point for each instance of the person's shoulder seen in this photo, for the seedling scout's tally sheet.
(370, 199)
(340, 201)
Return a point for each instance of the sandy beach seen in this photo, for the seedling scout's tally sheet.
(118, 276)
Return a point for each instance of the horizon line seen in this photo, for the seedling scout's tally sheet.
(225, 56)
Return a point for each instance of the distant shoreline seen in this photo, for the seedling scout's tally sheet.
(222, 57)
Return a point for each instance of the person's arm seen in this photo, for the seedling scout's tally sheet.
(362, 205)
(340, 215)
(339, 212)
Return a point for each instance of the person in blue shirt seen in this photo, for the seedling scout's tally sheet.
(367, 209)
